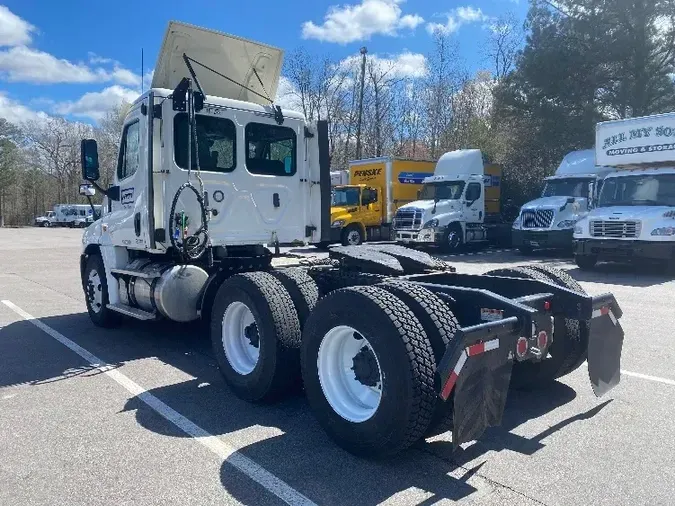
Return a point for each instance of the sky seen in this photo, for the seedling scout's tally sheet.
(77, 58)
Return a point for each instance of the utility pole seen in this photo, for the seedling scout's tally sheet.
(364, 50)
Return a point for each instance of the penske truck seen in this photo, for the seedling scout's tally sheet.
(634, 220)
(548, 222)
(459, 204)
(390, 344)
(363, 210)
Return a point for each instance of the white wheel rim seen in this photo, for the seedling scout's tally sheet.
(350, 398)
(353, 237)
(95, 291)
(238, 342)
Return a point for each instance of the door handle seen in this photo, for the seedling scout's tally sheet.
(275, 200)
(137, 224)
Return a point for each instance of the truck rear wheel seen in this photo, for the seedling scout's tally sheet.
(329, 280)
(301, 288)
(96, 296)
(368, 369)
(585, 262)
(440, 325)
(254, 333)
(352, 236)
(566, 349)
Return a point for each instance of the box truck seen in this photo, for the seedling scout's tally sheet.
(634, 219)
(363, 210)
(548, 222)
(459, 204)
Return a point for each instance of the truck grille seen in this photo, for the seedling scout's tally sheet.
(540, 218)
(408, 219)
(602, 228)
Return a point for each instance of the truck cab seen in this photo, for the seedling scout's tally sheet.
(47, 220)
(354, 209)
(634, 219)
(548, 222)
(452, 207)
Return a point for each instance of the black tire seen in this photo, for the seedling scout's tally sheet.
(406, 361)
(585, 262)
(99, 313)
(302, 289)
(329, 280)
(351, 231)
(575, 329)
(440, 325)
(452, 239)
(566, 350)
(278, 331)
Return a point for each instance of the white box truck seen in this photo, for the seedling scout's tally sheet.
(458, 205)
(548, 222)
(635, 216)
(210, 184)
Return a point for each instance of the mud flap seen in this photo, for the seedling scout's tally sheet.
(605, 342)
(480, 394)
(475, 376)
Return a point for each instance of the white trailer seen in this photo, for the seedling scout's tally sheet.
(635, 216)
(372, 332)
(339, 177)
(548, 222)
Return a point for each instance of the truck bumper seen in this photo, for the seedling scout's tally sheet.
(554, 239)
(609, 249)
(423, 236)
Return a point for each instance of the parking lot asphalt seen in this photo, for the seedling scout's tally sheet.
(140, 414)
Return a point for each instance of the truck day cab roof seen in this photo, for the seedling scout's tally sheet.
(579, 164)
(458, 164)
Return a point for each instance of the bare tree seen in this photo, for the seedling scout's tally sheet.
(501, 49)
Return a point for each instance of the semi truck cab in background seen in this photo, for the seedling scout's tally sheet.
(459, 204)
(364, 209)
(548, 222)
(635, 216)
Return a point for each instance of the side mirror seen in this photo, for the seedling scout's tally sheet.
(89, 160)
(87, 190)
(570, 200)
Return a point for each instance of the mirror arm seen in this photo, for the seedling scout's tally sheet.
(112, 195)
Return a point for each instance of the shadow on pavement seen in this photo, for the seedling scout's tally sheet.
(283, 438)
(640, 275)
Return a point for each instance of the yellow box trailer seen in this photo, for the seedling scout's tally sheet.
(364, 209)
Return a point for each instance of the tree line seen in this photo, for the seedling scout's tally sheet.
(545, 84)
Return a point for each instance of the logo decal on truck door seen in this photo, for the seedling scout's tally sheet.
(127, 196)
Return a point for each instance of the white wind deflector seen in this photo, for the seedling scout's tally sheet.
(237, 58)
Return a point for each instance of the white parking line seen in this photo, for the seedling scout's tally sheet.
(226, 452)
(650, 378)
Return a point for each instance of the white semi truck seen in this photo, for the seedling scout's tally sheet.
(460, 204)
(548, 222)
(635, 216)
(390, 344)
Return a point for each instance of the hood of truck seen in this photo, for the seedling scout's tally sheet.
(250, 65)
(428, 205)
(622, 213)
(553, 203)
(339, 213)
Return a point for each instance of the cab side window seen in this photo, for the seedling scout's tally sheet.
(270, 149)
(368, 196)
(473, 192)
(130, 152)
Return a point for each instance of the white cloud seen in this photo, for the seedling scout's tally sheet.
(287, 95)
(94, 105)
(17, 113)
(403, 65)
(456, 18)
(24, 64)
(13, 29)
(349, 23)
(663, 25)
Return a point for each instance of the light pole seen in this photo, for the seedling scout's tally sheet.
(363, 51)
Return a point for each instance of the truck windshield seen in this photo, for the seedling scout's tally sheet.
(346, 197)
(645, 190)
(566, 188)
(442, 191)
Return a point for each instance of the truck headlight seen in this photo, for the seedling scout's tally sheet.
(566, 224)
(337, 223)
(664, 231)
(578, 230)
(516, 223)
(433, 223)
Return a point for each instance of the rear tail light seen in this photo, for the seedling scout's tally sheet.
(542, 339)
(521, 347)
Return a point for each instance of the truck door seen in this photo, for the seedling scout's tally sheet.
(371, 206)
(127, 223)
(474, 203)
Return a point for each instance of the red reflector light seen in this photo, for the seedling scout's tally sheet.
(542, 339)
(521, 347)
(547, 305)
